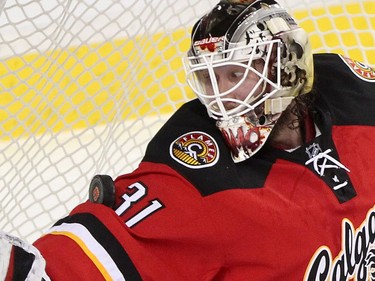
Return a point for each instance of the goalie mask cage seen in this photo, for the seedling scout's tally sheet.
(84, 85)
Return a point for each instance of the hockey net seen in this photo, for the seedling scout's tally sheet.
(84, 85)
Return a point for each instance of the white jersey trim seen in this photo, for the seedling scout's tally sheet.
(92, 248)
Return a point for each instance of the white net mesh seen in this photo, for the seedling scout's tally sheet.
(85, 84)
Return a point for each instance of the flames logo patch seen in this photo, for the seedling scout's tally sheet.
(360, 69)
(195, 150)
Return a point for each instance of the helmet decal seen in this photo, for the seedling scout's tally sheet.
(241, 1)
(210, 44)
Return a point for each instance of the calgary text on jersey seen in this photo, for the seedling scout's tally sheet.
(356, 260)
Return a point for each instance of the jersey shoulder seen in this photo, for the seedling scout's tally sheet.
(345, 66)
(347, 87)
(191, 144)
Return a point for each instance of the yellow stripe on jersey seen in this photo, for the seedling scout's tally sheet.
(94, 251)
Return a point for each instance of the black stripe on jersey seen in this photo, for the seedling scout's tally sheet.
(23, 262)
(106, 239)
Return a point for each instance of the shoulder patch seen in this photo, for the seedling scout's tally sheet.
(195, 150)
(361, 70)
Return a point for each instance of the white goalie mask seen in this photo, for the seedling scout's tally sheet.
(246, 64)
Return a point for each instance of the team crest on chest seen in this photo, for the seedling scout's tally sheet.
(361, 70)
(195, 150)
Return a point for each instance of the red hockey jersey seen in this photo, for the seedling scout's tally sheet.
(189, 213)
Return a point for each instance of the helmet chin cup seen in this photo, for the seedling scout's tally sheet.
(246, 135)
